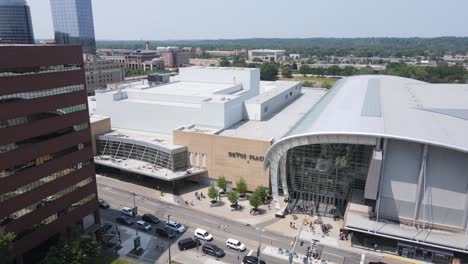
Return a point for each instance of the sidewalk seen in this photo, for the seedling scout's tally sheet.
(202, 205)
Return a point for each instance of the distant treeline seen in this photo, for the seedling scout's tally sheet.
(359, 47)
(442, 73)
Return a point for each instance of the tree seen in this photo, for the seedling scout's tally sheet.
(224, 63)
(261, 192)
(294, 66)
(73, 251)
(213, 192)
(286, 72)
(304, 69)
(6, 246)
(233, 197)
(255, 200)
(268, 71)
(241, 187)
(222, 183)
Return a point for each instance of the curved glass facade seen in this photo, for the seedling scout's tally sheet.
(73, 23)
(15, 23)
(327, 173)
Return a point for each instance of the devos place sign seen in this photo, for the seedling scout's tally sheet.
(238, 155)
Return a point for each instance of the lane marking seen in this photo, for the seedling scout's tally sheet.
(250, 252)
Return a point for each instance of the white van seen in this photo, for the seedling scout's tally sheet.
(202, 234)
(235, 244)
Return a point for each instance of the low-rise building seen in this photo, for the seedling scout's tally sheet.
(266, 54)
(99, 73)
(174, 57)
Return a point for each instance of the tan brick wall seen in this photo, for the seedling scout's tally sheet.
(98, 128)
(244, 162)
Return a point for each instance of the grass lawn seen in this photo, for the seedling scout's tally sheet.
(313, 81)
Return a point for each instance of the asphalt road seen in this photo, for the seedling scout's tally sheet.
(220, 228)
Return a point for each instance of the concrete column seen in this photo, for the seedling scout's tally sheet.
(283, 176)
(421, 187)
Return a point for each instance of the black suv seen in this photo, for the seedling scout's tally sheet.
(252, 260)
(213, 250)
(125, 220)
(150, 218)
(165, 233)
(188, 243)
(105, 228)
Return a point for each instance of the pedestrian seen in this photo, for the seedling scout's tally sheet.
(290, 224)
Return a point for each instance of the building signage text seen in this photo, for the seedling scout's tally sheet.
(238, 155)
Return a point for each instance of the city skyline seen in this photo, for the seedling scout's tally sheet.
(388, 19)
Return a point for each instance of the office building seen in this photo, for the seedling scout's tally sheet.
(73, 23)
(15, 22)
(47, 177)
(174, 57)
(99, 73)
(267, 55)
(390, 156)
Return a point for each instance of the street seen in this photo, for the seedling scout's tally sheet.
(221, 229)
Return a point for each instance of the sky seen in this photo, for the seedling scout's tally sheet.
(229, 19)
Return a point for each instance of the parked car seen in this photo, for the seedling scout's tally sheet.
(103, 204)
(165, 232)
(202, 234)
(188, 243)
(235, 244)
(127, 211)
(252, 260)
(125, 220)
(143, 225)
(213, 250)
(105, 228)
(150, 218)
(174, 226)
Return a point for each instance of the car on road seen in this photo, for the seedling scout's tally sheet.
(150, 218)
(165, 232)
(213, 250)
(103, 204)
(202, 234)
(143, 225)
(235, 244)
(105, 228)
(174, 226)
(127, 211)
(252, 260)
(188, 243)
(125, 220)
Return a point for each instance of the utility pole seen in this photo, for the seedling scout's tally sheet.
(168, 218)
(134, 206)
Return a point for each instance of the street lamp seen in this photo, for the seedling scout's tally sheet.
(169, 238)
(259, 242)
(133, 212)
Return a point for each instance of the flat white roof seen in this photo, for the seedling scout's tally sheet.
(270, 89)
(279, 124)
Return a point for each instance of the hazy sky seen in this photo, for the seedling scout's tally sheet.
(213, 19)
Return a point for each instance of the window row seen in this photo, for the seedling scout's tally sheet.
(42, 181)
(43, 93)
(22, 120)
(31, 208)
(41, 160)
(16, 145)
(39, 70)
(57, 215)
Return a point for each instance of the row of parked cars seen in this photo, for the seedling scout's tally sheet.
(171, 228)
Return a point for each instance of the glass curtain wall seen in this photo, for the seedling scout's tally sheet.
(327, 173)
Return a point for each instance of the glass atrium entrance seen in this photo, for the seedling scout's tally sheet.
(327, 174)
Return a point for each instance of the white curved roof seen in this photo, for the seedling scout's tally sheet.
(390, 106)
